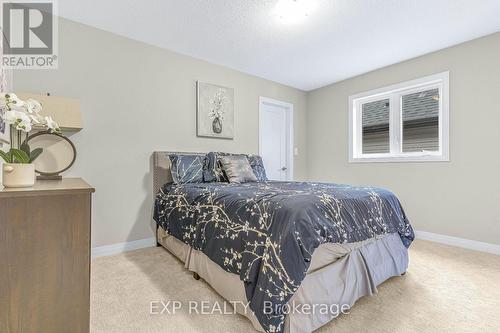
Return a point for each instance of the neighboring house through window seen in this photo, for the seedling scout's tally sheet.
(406, 122)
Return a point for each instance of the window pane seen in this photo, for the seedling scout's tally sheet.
(375, 117)
(420, 113)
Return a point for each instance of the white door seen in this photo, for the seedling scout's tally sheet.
(275, 138)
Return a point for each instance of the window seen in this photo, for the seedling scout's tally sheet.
(407, 122)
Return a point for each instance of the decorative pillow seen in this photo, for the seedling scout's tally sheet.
(237, 169)
(187, 168)
(212, 170)
(258, 167)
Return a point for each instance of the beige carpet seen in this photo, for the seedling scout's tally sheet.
(446, 289)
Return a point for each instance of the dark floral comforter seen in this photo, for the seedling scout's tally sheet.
(267, 232)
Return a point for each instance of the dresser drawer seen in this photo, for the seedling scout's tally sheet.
(45, 261)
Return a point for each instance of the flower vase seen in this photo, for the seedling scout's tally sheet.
(217, 125)
(18, 175)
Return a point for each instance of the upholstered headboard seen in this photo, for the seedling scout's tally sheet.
(161, 168)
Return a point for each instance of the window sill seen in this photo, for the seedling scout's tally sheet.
(399, 159)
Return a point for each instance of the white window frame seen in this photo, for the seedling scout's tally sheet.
(394, 94)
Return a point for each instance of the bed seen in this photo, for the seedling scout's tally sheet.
(283, 253)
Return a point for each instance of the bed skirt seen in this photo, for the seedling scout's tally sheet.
(353, 271)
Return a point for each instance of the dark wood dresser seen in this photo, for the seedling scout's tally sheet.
(45, 257)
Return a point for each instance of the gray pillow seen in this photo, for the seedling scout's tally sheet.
(187, 168)
(237, 169)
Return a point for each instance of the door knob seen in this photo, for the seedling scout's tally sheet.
(284, 168)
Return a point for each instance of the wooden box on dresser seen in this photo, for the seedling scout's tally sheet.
(45, 257)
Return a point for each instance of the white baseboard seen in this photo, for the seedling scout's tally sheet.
(117, 248)
(109, 250)
(459, 242)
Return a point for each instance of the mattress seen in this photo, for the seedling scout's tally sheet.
(339, 274)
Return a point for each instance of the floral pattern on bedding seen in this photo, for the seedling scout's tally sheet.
(267, 232)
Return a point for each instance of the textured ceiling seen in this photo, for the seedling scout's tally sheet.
(338, 39)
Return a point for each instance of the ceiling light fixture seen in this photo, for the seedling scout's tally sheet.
(294, 11)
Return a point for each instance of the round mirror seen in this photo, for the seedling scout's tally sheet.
(58, 154)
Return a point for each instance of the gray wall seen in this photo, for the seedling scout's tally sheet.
(458, 198)
(135, 99)
(138, 98)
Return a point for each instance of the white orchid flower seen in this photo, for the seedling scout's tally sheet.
(19, 119)
(8, 96)
(24, 126)
(14, 103)
(10, 117)
(33, 106)
(36, 119)
(23, 115)
(23, 118)
(52, 124)
(4, 101)
(23, 122)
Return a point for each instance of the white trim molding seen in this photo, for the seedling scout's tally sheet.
(459, 242)
(289, 115)
(394, 94)
(109, 250)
